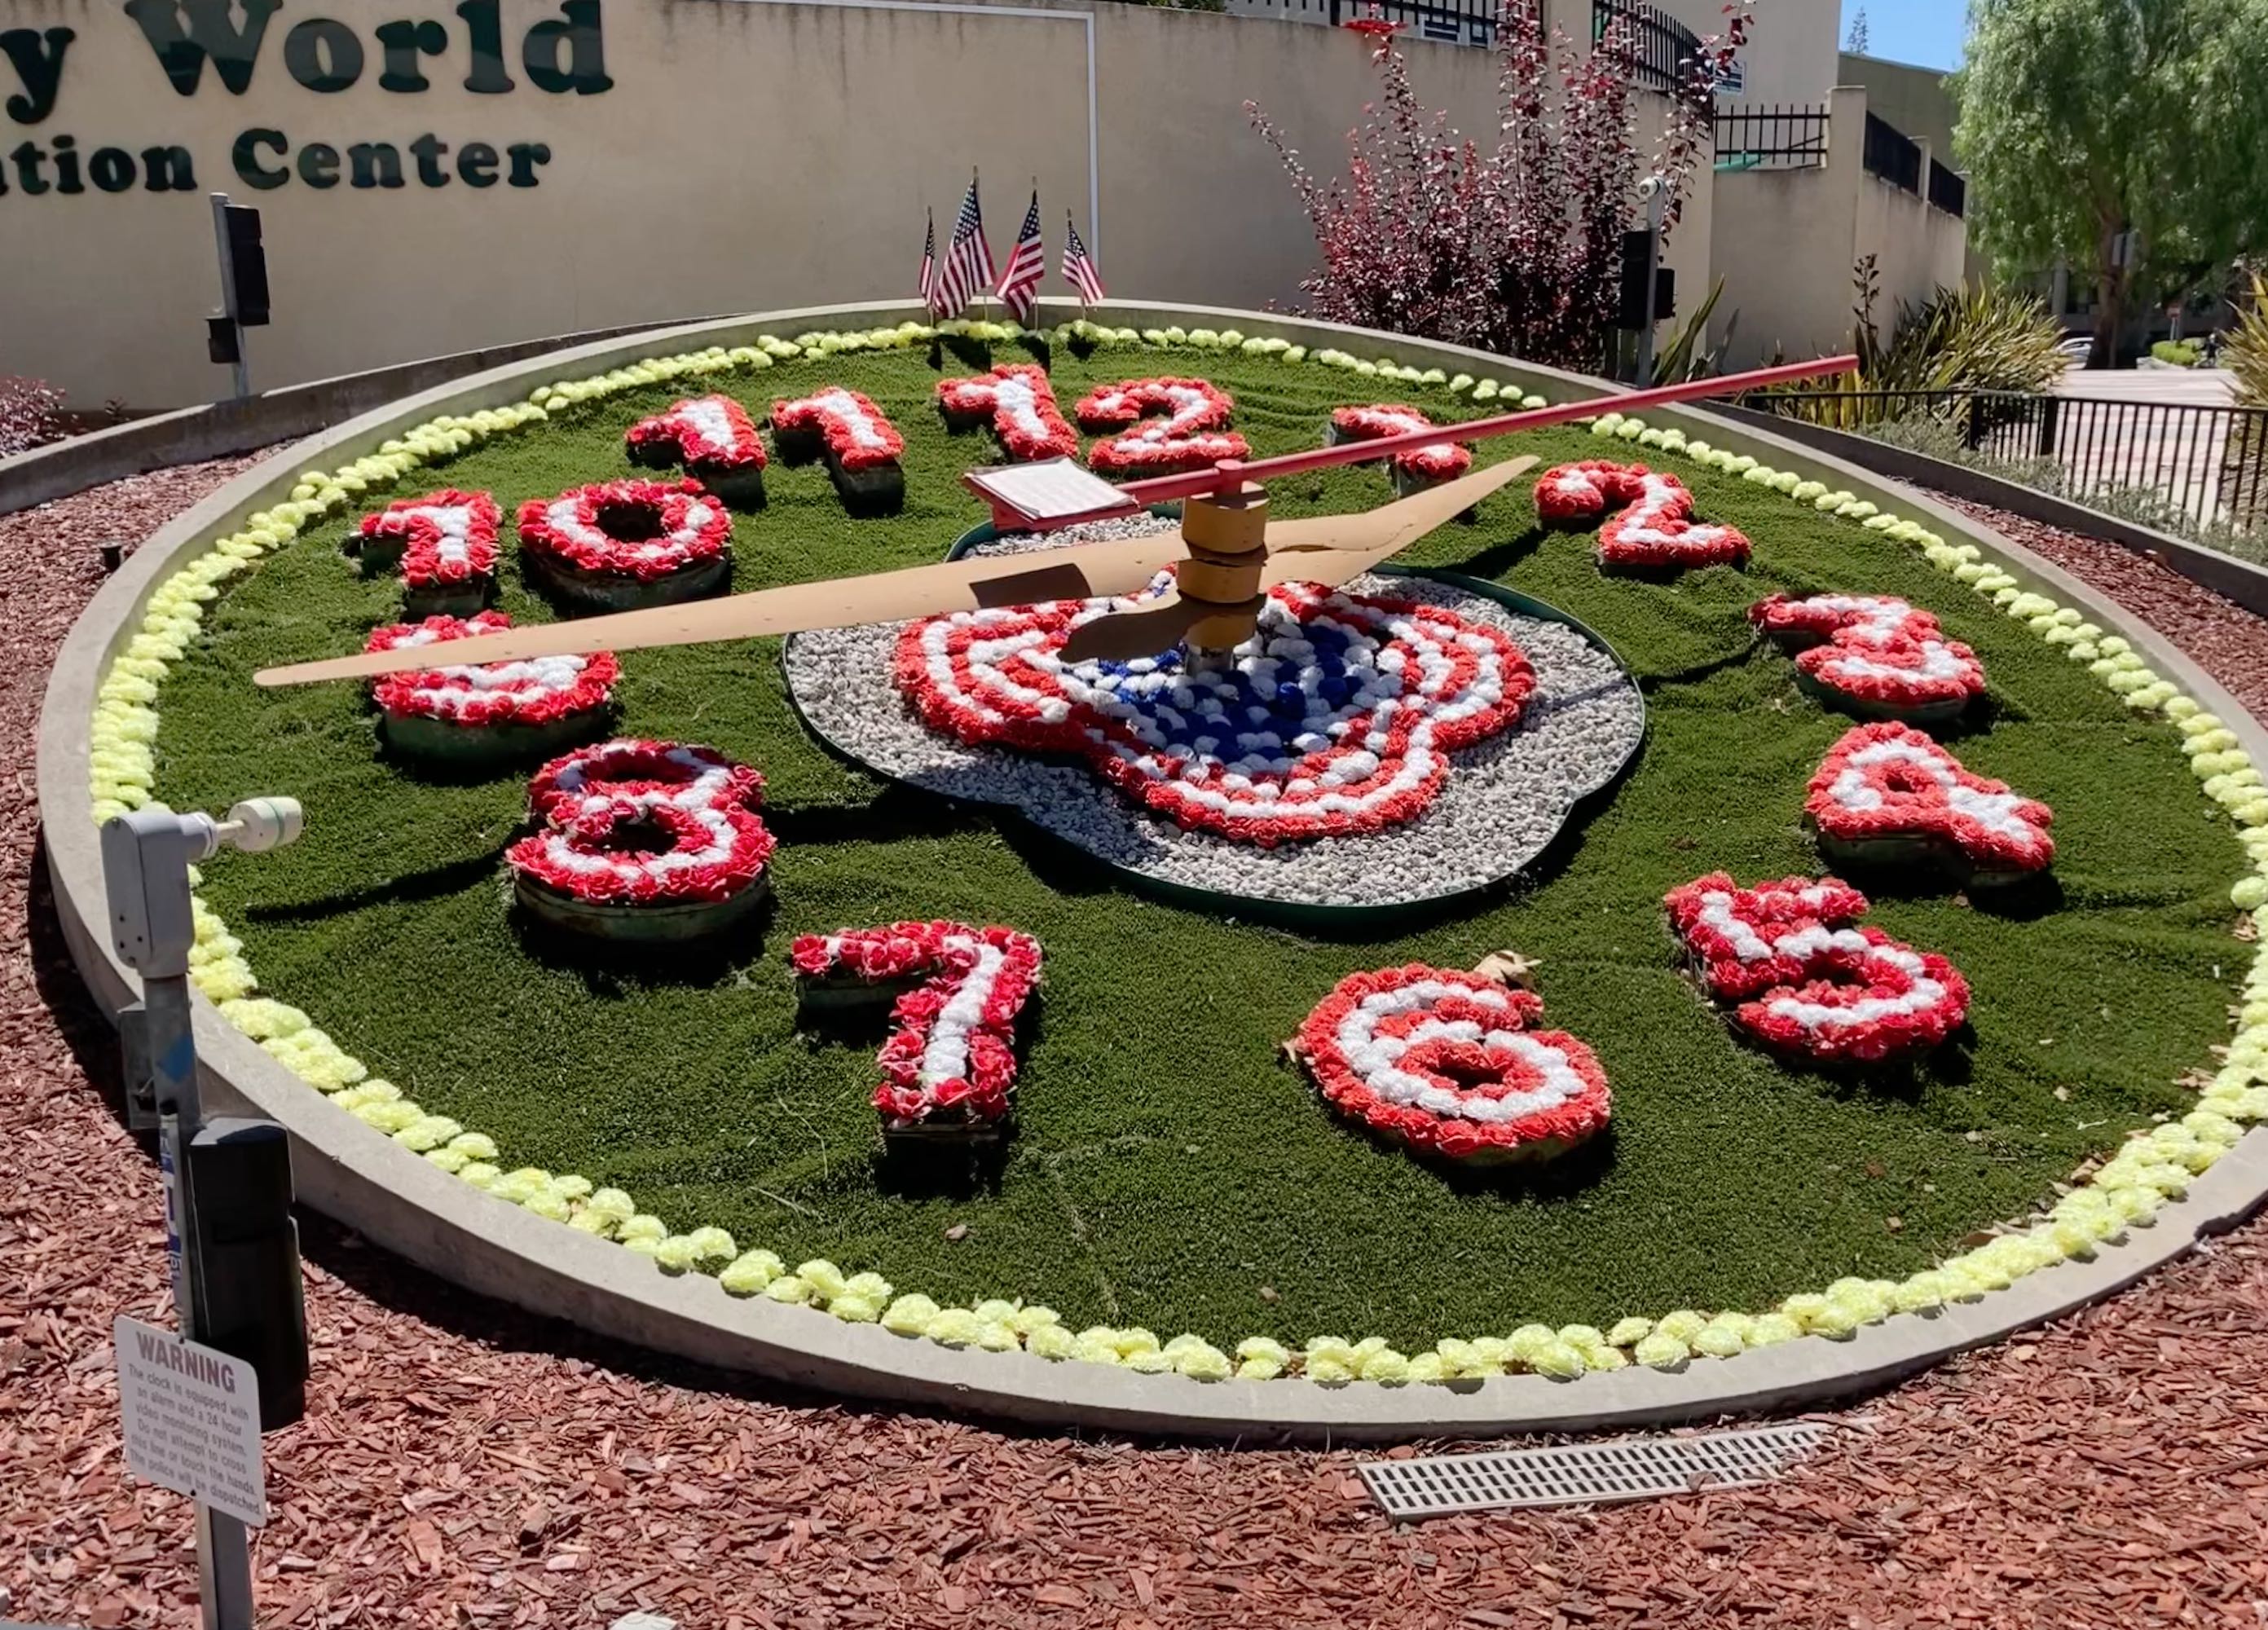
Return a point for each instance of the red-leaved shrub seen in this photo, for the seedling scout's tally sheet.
(28, 409)
(1515, 251)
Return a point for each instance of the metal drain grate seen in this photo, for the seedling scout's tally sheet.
(1587, 1473)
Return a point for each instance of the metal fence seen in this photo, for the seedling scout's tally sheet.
(1453, 22)
(1947, 191)
(1772, 138)
(1892, 156)
(2207, 464)
(1662, 52)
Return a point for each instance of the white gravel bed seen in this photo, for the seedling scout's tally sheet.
(1504, 800)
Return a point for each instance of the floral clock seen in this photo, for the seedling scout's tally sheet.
(716, 441)
(954, 993)
(445, 545)
(1452, 1064)
(624, 545)
(1355, 722)
(643, 841)
(479, 714)
(861, 446)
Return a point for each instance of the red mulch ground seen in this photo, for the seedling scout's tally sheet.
(463, 1464)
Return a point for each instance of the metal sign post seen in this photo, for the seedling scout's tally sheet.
(146, 856)
(1655, 192)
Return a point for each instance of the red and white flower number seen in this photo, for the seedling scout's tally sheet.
(1874, 654)
(1161, 425)
(855, 434)
(1451, 1064)
(447, 539)
(704, 433)
(1442, 461)
(536, 691)
(1655, 529)
(953, 1056)
(1019, 402)
(637, 822)
(636, 529)
(1337, 719)
(1886, 791)
(1808, 980)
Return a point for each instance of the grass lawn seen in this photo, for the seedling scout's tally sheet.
(1169, 1170)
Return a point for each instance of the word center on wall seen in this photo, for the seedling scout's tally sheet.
(212, 47)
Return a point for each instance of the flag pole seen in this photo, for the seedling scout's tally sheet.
(1070, 228)
(984, 299)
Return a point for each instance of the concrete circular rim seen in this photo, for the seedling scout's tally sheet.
(401, 1202)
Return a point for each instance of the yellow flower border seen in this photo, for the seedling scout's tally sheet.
(2125, 1190)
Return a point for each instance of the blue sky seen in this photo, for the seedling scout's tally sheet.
(1925, 32)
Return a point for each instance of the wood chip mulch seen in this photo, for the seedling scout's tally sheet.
(2219, 636)
(463, 1464)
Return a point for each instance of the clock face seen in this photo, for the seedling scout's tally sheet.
(922, 953)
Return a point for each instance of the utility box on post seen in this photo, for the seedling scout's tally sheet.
(250, 1305)
(1635, 293)
(247, 267)
(1646, 293)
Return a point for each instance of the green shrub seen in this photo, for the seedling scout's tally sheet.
(2179, 353)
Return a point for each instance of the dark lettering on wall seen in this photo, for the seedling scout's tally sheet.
(484, 28)
(525, 156)
(376, 163)
(211, 33)
(42, 71)
(245, 155)
(477, 163)
(112, 169)
(323, 54)
(427, 149)
(28, 159)
(562, 53)
(405, 42)
(168, 169)
(586, 74)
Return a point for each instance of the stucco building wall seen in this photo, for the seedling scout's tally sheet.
(745, 154)
(1786, 242)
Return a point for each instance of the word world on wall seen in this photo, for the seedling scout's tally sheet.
(560, 56)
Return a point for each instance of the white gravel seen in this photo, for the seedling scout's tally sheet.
(1505, 799)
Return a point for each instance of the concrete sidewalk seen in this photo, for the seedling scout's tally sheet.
(2207, 388)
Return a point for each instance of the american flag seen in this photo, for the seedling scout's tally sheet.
(929, 264)
(968, 260)
(1078, 267)
(1027, 263)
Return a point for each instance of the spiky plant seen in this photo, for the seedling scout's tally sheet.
(2245, 350)
(1958, 339)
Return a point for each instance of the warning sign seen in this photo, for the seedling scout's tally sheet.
(192, 1418)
